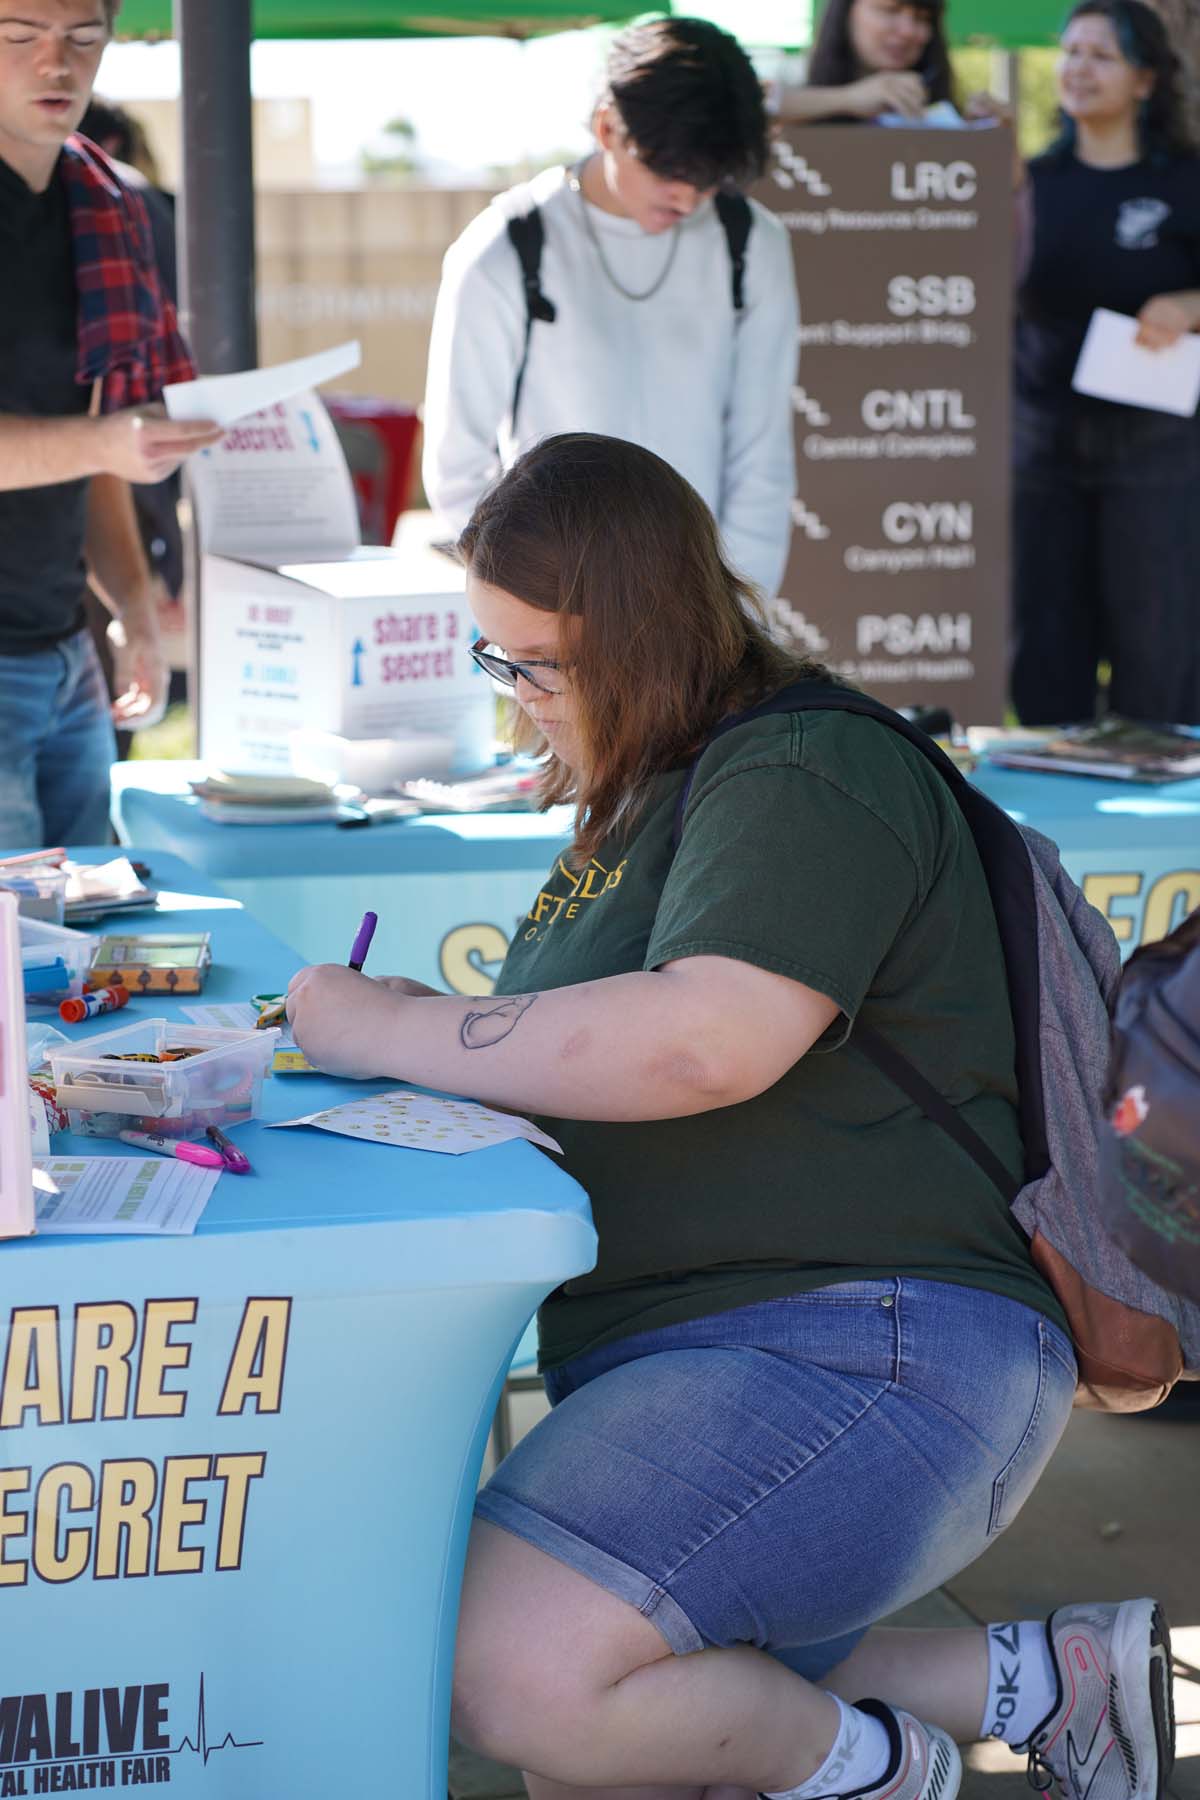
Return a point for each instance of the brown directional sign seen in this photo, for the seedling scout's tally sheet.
(898, 573)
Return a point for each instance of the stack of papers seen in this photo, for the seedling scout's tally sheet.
(1117, 749)
(232, 799)
(94, 889)
(509, 789)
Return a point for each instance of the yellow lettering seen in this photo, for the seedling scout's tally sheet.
(1102, 890)
(105, 1333)
(572, 909)
(613, 879)
(237, 1472)
(51, 1563)
(13, 1570)
(32, 1378)
(176, 1510)
(1182, 885)
(588, 888)
(158, 1355)
(127, 1490)
(256, 1365)
(463, 949)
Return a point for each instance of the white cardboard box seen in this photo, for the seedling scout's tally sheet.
(303, 628)
(366, 646)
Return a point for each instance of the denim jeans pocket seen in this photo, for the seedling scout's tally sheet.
(1051, 1408)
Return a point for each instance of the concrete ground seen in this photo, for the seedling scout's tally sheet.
(1117, 1514)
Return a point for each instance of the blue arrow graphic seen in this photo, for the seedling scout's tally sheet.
(357, 652)
(314, 442)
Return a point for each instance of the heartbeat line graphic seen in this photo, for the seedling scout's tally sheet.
(201, 1747)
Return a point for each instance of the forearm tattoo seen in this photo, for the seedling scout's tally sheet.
(488, 1025)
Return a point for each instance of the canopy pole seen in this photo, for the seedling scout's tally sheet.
(217, 241)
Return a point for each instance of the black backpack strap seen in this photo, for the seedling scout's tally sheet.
(527, 235)
(935, 1106)
(1009, 874)
(736, 218)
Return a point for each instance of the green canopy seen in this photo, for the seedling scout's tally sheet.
(392, 18)
(788, 24)
(1010, 24)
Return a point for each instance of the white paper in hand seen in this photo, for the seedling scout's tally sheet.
(228, 398)
(1113, 366)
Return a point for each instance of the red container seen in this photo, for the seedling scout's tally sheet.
(379, 440)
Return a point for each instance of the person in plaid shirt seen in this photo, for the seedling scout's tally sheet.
(87, 342)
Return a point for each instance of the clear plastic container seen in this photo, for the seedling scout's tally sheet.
(54, 962)
(41, 892)
(104, 1094)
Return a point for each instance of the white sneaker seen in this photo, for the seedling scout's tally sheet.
(1111, 1733)
(924, 1764)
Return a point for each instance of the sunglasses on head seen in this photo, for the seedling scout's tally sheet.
(503, 670)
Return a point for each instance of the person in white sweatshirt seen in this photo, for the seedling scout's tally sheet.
(675, 319)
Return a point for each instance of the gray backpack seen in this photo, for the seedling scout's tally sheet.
(1133, 1339)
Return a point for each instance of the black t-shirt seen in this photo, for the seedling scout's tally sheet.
(42, 578)
(1101, 237)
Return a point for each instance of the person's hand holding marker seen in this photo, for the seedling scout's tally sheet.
(339, 1016)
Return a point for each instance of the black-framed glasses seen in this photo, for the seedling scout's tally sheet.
(501, 669)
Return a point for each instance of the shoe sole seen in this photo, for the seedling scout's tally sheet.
(1149, 1711)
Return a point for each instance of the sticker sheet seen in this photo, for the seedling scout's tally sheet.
(423, 1122)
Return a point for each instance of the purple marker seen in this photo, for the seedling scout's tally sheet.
(362, 942)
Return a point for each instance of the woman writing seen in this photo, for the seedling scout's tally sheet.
(1106, 525)
(873, 57)
(815, 1370)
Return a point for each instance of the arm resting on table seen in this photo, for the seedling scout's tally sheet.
(703, 1032)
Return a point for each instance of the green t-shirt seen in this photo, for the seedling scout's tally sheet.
(823, 847)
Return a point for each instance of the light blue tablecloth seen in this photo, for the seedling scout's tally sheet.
(467, 881)
(1133, 847)
(342, 1322)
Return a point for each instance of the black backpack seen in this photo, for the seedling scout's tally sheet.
(527, 235)
(1132, 1338)
(1150, 1197)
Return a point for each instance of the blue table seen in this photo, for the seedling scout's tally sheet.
(1133, 848)
(467, 879)
(298, 1400)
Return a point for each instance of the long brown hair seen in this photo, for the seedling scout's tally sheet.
(833, 63)
(664, 638)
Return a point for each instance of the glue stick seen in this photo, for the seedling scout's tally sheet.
(101, 1000)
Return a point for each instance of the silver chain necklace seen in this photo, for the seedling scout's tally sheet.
(574, 178)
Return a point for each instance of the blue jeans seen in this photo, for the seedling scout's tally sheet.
(56, 747)
(788, 1473)
(1106, 544)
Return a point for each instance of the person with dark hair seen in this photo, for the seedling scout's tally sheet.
(87, 341)
(638, 293)
(815, 1371)
(1106, 526)
(873, 57)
